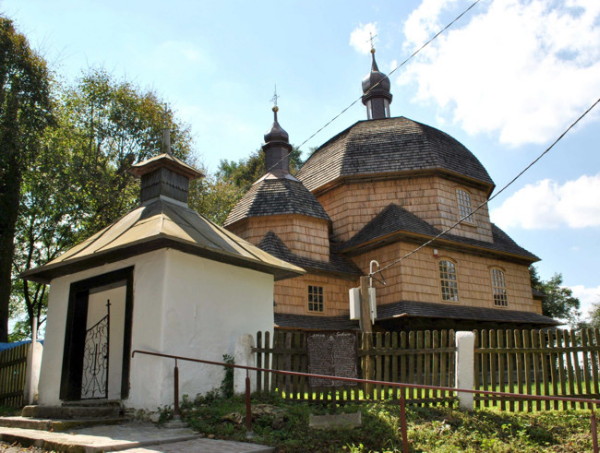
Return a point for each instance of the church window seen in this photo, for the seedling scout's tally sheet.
(464, 205)
(499, 288)
(448, 280)
(315, 298)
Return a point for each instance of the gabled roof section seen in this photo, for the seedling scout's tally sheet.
(158, 225)
(338, 265)
(277, 196)
(394, 220)
(461, 312)
(390, 146)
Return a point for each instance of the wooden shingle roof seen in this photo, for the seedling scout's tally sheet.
(276, 196)
(462, 312)
(396, 220)
(337, 264)
(389, 146)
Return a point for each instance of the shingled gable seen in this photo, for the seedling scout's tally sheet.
(388, 147)
(337, 265)
(394, 221)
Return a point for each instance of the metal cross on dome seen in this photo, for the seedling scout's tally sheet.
(372, 39)
(275, 97)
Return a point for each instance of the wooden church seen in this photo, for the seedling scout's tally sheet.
(377, 191)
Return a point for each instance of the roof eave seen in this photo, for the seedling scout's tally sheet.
(46, 273)
(395, 236)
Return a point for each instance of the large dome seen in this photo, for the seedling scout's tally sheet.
(390, 146)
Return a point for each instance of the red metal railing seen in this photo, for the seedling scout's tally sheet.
(403, 425)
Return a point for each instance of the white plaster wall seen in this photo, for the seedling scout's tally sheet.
(148, 290)
(209, 306)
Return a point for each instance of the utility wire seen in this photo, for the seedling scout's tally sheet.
(410, 57)
(506, 186)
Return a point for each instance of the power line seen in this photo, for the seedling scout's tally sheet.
(506, 186)
(410, 57)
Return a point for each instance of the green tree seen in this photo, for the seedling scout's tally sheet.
(558, 301)
(25, 111)
(595, 316)
(245, 171)
(79, 181)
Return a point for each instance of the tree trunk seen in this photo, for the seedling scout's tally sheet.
(10, 187)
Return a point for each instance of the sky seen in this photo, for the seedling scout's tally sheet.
(505, 80)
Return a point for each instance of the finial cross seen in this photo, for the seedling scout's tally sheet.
(372, 39)
(275, 97)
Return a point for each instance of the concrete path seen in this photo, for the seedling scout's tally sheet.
(130, 437)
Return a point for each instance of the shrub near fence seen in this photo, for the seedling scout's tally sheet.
(13, 367)
(537, 362)
(421, 357)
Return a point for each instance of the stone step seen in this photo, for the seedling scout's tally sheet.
(104, 438)
(57, 425)
(66, 412)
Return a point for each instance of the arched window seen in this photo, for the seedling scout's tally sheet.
(448, 280)
(464, 205)
(499, 288)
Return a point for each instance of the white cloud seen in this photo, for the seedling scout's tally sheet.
(548, 204)
(587, 296)
(360, 38)
(520, 69)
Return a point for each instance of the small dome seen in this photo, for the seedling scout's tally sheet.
(277, 133)
(376, 81)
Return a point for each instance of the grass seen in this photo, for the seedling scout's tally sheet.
(431, 429)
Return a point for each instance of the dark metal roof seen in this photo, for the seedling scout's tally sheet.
(338, 265)
(307, 322)
(389, 145)
(275, 196)
(448, 311)
(395, 219)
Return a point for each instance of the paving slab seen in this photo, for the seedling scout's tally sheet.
(204, 446)
(135, 436)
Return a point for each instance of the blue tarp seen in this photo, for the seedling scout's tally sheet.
(5, 346)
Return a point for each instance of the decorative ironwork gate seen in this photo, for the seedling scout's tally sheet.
(94, 383)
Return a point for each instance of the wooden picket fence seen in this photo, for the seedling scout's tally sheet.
(13, 366)
(421, 357)
(537, 362)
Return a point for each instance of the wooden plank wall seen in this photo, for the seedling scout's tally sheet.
(13, 365)
(537, 362)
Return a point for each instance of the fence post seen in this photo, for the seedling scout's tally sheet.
(465, 355)
(243, 356)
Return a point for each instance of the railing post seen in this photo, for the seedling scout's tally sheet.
(176, 411)
(248, 405)
(403, 427)
(594, 430)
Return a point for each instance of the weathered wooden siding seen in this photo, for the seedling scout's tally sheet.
(417, 278)
(432, 198)
(291, 295)
(305, 236)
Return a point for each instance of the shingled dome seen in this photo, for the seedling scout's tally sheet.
(390, 146)
(277, 196)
